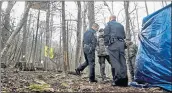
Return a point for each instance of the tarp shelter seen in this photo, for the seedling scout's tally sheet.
(154, 61)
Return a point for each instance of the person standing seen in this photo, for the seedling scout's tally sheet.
(102, 53)
(89, 45)
(114, 39)
(132, 57)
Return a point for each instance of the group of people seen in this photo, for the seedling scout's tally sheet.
(110, 45)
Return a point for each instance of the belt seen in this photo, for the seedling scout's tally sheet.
(118, 38)
(86, 45)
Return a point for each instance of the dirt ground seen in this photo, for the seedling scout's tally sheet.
(28, 81)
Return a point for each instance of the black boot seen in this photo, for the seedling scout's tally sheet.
(114, 78)
(92, 75)
(77, 71)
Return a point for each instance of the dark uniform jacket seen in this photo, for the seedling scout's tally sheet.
(89, 41)
(113, 30)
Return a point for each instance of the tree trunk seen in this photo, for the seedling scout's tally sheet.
(128, 33)
(60, 46)
(84, 30)
(47, 35)
(162, 3)
(127, 16)
(6, 27)
(137, 16)
(37, 29)
(0, 39)
(24, 43)
(147, 12)
(64, 39)
(91, 15)
(108, 7)
(78, 35)
(14, 33)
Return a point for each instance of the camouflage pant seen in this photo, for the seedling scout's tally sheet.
(131, 64)
(102, 65)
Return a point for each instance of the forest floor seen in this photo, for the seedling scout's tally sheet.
(49, 81)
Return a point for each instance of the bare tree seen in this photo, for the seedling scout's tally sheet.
(84, 26)
(108, 7)
(127, 16)
(64, 39)
(127, 26)
(6, 26)
(24, 42)
(91, 15)
(137, 17)
(0, 39)
(146, 8)
(15, 32)
(47, 34)
(78, 35)
(37, 29)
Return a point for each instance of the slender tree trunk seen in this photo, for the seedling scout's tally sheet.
(78, 35)
(37, 29)
(67, 42)
(137, 19)
(162, 3)
(64, 39)
(47, 36)
(147, 12)
(24, 43)
(165, 2)
(0, 39)
(127, 16)
(128, 33)
(84, 30)
(108, 7)
(14, 33)
(60, 46)
(91, 15)
(112, 8)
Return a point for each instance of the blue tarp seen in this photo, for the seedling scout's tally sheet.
(154, 61)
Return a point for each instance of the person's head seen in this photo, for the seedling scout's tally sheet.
(95, 26)
(101, 30)
(112, 17)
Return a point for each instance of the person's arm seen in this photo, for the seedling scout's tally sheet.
(106, 35)
(93, 40)
(97, 44)
(123, 32)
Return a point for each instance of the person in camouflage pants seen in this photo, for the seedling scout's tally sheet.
(102, 53)
(132, 48)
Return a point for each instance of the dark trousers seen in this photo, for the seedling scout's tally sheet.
(89, 60)
(118, 63)
(102, 65)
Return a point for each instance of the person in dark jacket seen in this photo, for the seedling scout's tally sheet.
(114, 39)
(89, 45)
(102, 53)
